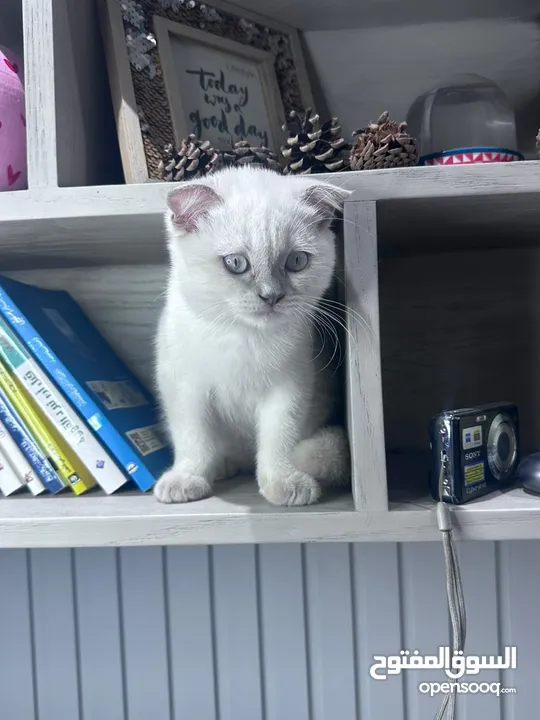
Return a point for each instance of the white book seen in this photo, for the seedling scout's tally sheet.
(79, 437)
(15, 470)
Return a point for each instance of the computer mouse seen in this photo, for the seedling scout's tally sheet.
(528, 473)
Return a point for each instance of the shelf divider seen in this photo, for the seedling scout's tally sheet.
(40, 93)
(364, 388)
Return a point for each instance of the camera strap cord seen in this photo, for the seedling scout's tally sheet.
(454, 593)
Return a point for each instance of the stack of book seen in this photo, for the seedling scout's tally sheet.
(71, 414)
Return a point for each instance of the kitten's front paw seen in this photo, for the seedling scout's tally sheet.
(297, 489)
(176, 486)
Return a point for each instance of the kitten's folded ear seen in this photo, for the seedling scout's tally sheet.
(189, 204)
(327, 200)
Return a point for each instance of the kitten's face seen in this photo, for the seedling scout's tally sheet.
(261, 254)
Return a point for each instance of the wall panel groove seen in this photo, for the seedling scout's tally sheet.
(274, 632)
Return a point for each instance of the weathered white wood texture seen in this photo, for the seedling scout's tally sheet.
(124, 302)
(238, 515)
(420, 209)
(40, 93)
(123, 95)
(277, 632)
(425, 361)
(364, 389)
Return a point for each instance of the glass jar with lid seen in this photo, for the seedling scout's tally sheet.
(467, 119)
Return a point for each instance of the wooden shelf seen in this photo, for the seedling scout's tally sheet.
(239, 515)
(63, 227)
(122, 225)
(509, 515)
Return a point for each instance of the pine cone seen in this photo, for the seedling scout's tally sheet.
(314, 149)
(193, 159)
(245, 154)
(383, 144)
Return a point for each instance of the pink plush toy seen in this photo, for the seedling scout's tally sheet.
(12, 123)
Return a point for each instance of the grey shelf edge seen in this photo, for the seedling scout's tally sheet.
(240, 516)
(104, 225)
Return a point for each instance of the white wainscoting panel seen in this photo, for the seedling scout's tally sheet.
(282, 632)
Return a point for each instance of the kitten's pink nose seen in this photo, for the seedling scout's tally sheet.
(271, 298)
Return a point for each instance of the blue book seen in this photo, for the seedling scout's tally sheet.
(115, 405)
(39, 463)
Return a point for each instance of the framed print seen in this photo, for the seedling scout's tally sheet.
(179, 67)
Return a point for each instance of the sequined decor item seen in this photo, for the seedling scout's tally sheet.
(153, 106)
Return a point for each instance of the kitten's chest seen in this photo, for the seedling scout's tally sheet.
(236, 388)
(238, 374)
(236, 370)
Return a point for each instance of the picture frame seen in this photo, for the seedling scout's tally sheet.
(167, 62)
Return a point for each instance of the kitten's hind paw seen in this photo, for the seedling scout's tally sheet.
(176, 486)
(297, 489)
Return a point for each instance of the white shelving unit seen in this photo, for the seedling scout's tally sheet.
(90, 231)
(105, 244)
(122, 224)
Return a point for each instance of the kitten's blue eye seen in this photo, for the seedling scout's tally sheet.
(296, 261)
(236, 264)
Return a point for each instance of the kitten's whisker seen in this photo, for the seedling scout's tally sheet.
(211, 309)
(296, 312)
(352, 314)
(329, 314)
(338, 304)
(319, 319)
(299, 225)
(353, 341)
(331, 318)
(321, 334)
(336, 343)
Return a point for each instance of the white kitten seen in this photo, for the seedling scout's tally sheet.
(251, 254)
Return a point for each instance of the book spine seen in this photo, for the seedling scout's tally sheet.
(38, 427)
(80, 439)
(9, 482)
(19, 463)
(77, 396)
(58, 411)
(28, 447)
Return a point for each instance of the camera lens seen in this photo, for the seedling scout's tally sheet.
(502, 446)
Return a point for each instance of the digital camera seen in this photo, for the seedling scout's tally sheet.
(474, 451)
